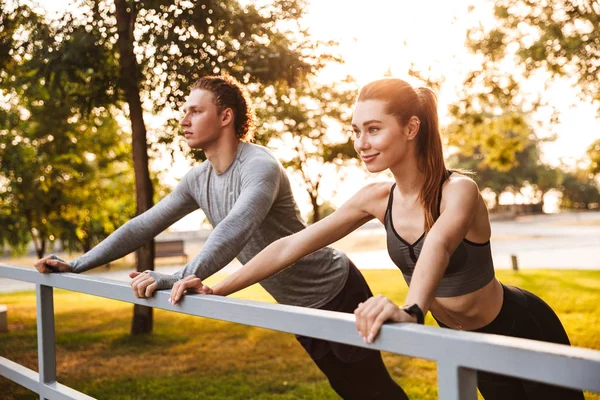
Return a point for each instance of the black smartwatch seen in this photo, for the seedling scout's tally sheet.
(416, 311)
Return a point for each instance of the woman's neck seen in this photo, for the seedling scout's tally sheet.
(409, 179)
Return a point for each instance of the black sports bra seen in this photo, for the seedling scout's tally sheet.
(470, 268)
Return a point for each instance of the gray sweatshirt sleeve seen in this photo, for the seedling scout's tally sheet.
(260, 187)
(141, 229)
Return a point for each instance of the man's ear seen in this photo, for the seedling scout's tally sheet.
(226, 117)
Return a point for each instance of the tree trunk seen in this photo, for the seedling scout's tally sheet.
(39, 240)
(40, 248)
(316, 209)
(86, 242)
(496, 201)
(126, 15)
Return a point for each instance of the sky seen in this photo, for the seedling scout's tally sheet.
(382, 36)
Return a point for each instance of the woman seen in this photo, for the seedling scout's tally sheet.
(438, 233)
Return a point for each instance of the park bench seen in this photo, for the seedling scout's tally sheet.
(170, 248)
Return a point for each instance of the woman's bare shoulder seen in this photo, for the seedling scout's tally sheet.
(461, 183)
(372, 198)
(377, 190)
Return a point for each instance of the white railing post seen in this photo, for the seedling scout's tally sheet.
(456, 383)
(45, 333)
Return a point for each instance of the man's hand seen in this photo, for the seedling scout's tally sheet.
(371, 314)
(143, 284)
(50, 264)
(191, 284)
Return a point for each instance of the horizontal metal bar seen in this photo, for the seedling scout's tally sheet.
(57, 391)
(528, 359)
(20, 374)
(30, 380)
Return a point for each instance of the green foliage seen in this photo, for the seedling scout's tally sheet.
(177, 42)
(301, 119)
(593, 154)
(262, 46)
(65, 74)
(46, 172)
(325, 209)
(60, 144)
(492, 130)
(561, 37)
(103, 200)
(580, 191)
(491, 141)
(502, 151)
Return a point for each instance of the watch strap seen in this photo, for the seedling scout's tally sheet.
(416, 311)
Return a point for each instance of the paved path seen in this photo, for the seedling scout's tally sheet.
(563, 241)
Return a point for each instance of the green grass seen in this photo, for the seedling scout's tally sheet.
(190, 358)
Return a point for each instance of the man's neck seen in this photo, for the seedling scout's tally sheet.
(222, 152)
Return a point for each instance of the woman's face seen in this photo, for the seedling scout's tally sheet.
(379, 139)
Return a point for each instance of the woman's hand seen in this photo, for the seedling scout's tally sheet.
(371, 314)
(191, 284)
(51, 263)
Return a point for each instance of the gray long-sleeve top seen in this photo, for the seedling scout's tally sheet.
(250, 205)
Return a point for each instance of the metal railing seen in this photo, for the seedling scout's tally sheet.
(459, 355)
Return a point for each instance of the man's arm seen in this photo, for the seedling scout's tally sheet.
(286, 251)
(260, 187)
(135, 232)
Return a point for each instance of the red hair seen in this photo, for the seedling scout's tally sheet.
(404, 102)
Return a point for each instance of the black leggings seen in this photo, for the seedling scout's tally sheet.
(353, 372)
(523, 315)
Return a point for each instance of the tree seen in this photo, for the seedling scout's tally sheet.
(503, 152)
(312, 120)
(129, 83)
(561, 38)
(553, 38)
(546, 179)
(102, 200)
(47, 171)
(579, 191)
(55, 122)
(162, 47)
(493, 140)
(593, 154)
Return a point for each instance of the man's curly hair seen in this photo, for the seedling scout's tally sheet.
(229, 93)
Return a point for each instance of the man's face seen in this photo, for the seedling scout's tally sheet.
(201, 121)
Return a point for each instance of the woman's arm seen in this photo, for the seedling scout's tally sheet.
(462, 198)
(461, 202)
(286, 251)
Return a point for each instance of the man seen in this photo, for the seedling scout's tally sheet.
(246, 196)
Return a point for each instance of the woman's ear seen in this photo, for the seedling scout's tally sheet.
(413, 127)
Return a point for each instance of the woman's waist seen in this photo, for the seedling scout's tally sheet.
(469, 311)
